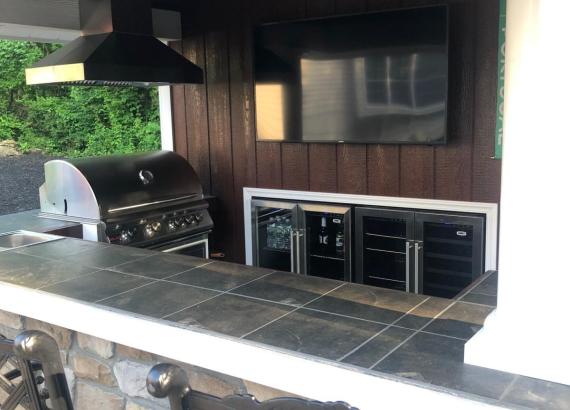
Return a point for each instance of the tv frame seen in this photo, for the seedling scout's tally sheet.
(441, 142)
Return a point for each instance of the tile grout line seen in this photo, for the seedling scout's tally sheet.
(68, 279)
(480, 293)
(161, 279)
(292, 311)
(509, 387)
(412, 335)
(154, 281)
(220, 293)
(381, 331)
(478, 304)
(126, 291)
(187, 270)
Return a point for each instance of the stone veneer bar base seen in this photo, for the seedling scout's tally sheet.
(105, 375)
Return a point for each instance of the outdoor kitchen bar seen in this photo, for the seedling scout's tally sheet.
(344, 209)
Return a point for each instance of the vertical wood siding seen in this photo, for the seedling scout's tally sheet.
(214, 123)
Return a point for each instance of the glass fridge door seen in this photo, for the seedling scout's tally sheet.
(273, 226)
(452, 251)
(325, 241)
(383, 247)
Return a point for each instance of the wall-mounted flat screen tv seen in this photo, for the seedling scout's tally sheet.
(367, 78)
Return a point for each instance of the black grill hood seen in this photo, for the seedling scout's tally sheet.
(116, 48)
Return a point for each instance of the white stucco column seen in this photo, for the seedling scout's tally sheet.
(529, 333)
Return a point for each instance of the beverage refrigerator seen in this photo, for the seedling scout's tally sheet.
(430, 253)
(305, 238)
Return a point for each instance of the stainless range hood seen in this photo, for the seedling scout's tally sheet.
(116, 47)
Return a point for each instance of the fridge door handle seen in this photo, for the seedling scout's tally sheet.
(292, 248)
(418, 246)
(300, 234)
(408, 247)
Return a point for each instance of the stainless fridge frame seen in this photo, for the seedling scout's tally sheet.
(408, 216)
(415, 240)
(478, 223)
(331, 209)
(267, 203)
(299, 248)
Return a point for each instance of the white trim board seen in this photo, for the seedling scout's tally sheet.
(306, 376)
(490, 210)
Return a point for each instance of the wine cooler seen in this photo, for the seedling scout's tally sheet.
(428, 253)
(305, 238)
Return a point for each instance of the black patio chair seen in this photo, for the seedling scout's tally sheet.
(168, 380)
(31, 373)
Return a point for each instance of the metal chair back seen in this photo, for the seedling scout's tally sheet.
(31, 373)
(168, 380)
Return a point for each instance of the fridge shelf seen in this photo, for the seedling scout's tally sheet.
(268, 249)
(387, 279)
(384, 236)
(441, 287)
(452, 273)
(450, 257)
(384, 250)
(462, 242)
(336, 258)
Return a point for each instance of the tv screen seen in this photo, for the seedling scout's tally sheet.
(367, 78)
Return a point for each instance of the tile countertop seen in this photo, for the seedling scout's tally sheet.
(30, 221)
(373, 333)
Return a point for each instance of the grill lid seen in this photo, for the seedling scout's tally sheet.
(99, 188)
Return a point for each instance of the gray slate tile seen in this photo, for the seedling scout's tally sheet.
(220, 276)
(316, 333)
(461, 320)
(439, 360)
(365, 302)
(160, 265)
(288, 288)
(159, 299)
(422, 314)
(377, 348)
(97, 286)
(35, 272)
(538, 394)
(108, 256)
(230, 314)
(62, 248)
(488, 300)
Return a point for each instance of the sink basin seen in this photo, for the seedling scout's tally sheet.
(23, 238)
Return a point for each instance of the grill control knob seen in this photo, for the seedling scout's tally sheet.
(156, 226)
(181, 222)
(126, 236)
(149, 232)
(199, 217)
(172, 225)
(190, 219)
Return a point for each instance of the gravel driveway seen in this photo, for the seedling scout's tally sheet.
(20, 178)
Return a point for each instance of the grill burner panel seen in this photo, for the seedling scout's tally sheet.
(149, 230)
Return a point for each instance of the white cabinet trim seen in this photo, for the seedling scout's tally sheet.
(490, 210)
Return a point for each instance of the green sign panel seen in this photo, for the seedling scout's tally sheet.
(501, 82)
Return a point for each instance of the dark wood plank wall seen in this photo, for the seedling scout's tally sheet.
(214, 123)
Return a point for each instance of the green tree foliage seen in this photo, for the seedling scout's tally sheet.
(72, 121)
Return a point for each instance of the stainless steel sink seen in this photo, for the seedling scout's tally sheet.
(19, 239)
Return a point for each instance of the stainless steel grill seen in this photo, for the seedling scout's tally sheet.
(142, 200)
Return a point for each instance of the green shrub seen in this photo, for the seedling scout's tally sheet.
(72, 121)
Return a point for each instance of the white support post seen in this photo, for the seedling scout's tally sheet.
(165, 108)
(527, 334)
